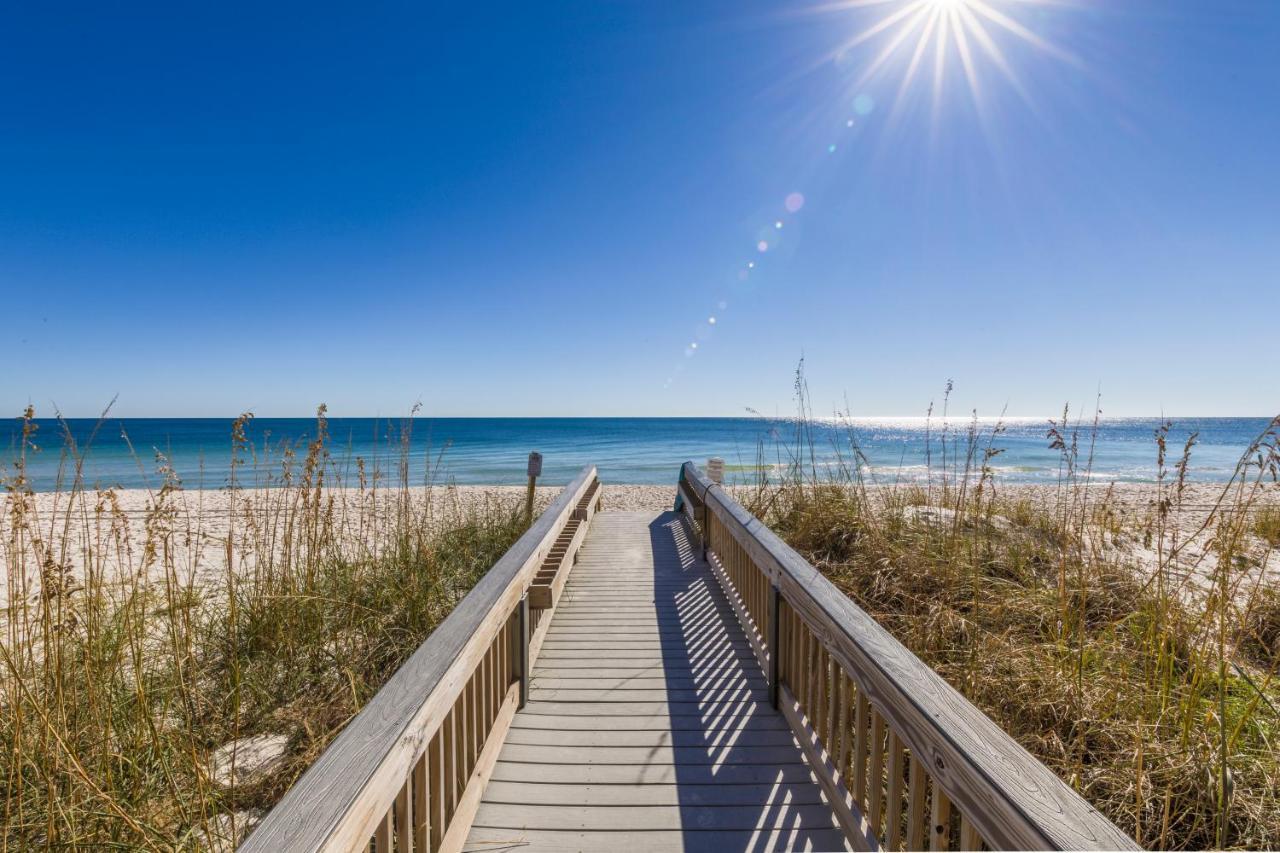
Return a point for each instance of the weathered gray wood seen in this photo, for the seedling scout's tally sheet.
(1013, 800)
(710, 695)
(648, 716)
(712, 725)
(705, 794)
(687, 681)
(338, 801)
(715, 756)
(460, 825)
(647, 818)
(705, 709)
(791, 773)
(692, 840)
(601, 739)
(851, 819)
(631, 669)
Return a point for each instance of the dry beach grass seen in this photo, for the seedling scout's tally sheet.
(1127, 635)
(168, 665)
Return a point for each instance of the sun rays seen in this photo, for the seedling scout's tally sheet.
(968, 38)
(929, 62)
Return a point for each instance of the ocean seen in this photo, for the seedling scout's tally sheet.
(129, 453)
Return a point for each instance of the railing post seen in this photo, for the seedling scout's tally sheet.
(522, 658)
(775, 653)
(706, 527)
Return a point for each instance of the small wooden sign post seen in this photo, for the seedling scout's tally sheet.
(535, 471)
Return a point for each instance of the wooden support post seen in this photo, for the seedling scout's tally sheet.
(706, 527)
(522, 659)
(535, 471)
(775, 635)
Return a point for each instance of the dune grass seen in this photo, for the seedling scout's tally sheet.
(1266, 525)
(125, 663)
(1072, 624)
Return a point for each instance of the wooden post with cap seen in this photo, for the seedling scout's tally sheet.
(535, 471)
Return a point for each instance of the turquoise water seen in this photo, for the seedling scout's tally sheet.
(626, 450)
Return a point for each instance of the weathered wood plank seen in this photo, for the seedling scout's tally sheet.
(1013, 800)
(692, 840)
(711, 725)
(739, 753)
(700, 682)
(791, 773)
(654, 794)
(651, 739)
(623, 818)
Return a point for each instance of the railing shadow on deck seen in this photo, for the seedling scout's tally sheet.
(904, 759)
(734, 752)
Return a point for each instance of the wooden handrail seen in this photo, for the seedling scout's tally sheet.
(871, 715)
(411, 765)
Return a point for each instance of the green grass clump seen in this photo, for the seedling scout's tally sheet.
(1266, 525)
(121, 672)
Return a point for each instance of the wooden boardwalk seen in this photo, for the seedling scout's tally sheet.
(648, 725)
(596, 690)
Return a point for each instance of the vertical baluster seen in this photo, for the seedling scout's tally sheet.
(846, 729)
(453, 757)
(753, 578)
(860, 752)
(811, 670)
(495, 681)
(436, 781)
(916, 818)
(893, 815)
(421, 797)
(795, 676)
(382, 835)
(780, 640)
(404, 824)
(773, 641)
(969, 837)
(818, 705)
(482, 699)
(802, 660)
(474, 722)
(833, 708)
(761, 597)
(462, 737)
(940, 820)
(762, 593)
(507, 668)
(490, 689)
(876, 781)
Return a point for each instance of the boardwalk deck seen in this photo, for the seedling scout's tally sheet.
(648, 724)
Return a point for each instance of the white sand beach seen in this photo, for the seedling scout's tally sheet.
(198, 533)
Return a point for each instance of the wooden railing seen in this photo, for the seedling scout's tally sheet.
(905, 760)
(408, 772)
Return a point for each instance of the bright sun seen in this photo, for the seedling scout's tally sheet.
(940, 34)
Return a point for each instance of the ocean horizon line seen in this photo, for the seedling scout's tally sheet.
(969, 416)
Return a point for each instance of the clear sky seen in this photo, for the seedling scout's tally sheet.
(535, 208)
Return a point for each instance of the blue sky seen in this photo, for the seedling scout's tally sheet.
(534, 209)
